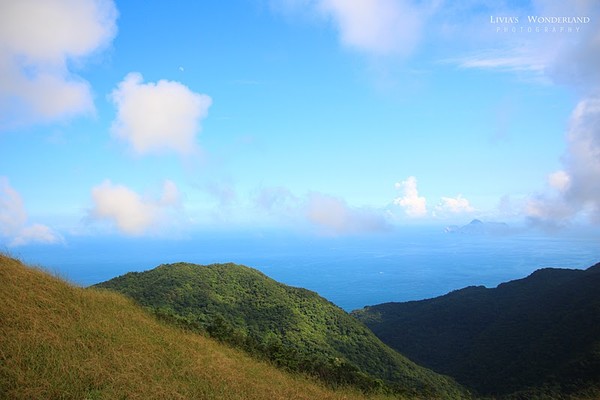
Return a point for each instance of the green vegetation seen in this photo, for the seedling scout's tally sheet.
(58, 341)
(537, 337)
(294, 328)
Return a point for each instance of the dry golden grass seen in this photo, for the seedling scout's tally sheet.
(59, 341)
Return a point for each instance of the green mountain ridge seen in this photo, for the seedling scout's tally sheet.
(536, 336)
(531, 338)
(295, 327)
(60, 341)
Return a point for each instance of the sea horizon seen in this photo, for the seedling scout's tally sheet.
(413, 263)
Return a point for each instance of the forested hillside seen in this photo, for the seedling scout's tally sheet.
(538, 335)
(59, 341)
(295, 328)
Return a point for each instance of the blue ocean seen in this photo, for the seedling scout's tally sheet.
(352, 272)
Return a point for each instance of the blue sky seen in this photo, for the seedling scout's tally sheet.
(328, 117)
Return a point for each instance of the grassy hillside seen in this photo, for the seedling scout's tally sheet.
(295, 328)
(535, 336)
(58, 341)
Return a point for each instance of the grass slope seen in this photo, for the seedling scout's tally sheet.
(297, 327)
(538, 336)
(58, 341)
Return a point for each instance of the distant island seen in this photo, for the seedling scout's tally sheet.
(478, 227)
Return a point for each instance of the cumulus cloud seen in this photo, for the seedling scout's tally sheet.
(576, 189)
(454, 205)
(335, 216)
(414, 205)
(13, 220)
(548, 212)
(573, 60)
(40, 41)
(581, 180)
(131, 213)
(582, 161)
(158, 117)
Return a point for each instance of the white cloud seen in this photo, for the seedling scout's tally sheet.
(582, 160)
(548, 212)
(39, 42)
(158, 117)
(376, 27)
(379, 27)
(511, 61)
(36, 233)
(131, 213)
(454, 205)
(577, 187)
(13, 220)
(414, 205)
(571, 59)
(335, 216)
(559, 180)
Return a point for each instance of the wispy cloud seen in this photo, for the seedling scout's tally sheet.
(503, 61)
(13, 220)
(559, 58)
(334, 216)
(522, 62)
(325, 214)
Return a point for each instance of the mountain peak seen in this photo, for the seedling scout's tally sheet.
(478, 227)
(293, 327)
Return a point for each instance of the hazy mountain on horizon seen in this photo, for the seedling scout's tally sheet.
(478, 227)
